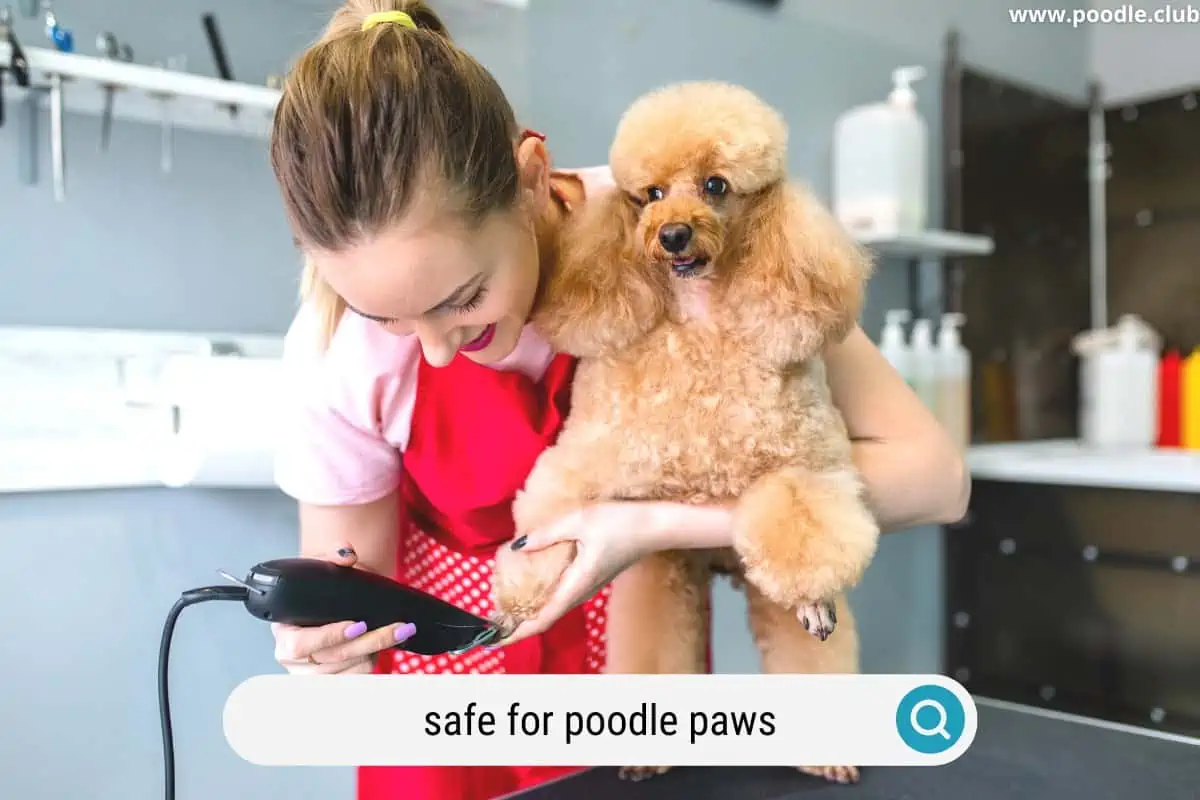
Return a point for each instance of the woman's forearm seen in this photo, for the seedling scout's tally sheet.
(906, 487)
(677, 526)
(909, 486)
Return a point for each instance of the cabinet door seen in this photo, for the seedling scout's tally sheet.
(1080, 599)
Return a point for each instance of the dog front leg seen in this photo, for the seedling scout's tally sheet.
(559, 483)
(804, 538)
(658, 624)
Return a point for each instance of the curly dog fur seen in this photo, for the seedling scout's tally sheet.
(698, 297)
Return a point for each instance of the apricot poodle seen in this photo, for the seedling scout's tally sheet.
(698, 297)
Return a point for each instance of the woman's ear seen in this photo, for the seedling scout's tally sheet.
(533, 171)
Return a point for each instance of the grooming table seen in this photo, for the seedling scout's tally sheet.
(1019, 753)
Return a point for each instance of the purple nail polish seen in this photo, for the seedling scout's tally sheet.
(356, 630)
(405, 631)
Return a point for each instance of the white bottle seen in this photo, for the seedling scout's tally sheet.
(923, 363)
(1119, 384)
(893, 345)
(880, 163)
(953, 381)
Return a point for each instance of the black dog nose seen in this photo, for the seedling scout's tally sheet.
(675, 236)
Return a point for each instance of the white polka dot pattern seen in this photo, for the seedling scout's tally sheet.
(466, 582)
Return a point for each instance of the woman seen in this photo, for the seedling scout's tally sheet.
(422, 398)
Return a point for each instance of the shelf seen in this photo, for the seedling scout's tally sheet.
(145, 92)
(930, 244)
(78, 464)
(1071, 463)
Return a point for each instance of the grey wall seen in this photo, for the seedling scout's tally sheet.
(89, 575)
(1136, 61)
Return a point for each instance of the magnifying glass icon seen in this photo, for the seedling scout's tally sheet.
(942, 718)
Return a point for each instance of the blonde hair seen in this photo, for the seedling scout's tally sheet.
(371, 119)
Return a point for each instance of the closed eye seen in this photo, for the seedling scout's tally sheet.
(471, 304)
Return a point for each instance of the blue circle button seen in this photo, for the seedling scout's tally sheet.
(930, 719)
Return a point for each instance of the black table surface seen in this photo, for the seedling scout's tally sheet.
(1016, 755)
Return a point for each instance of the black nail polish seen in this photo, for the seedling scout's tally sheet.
(519, 543)
(345, 552)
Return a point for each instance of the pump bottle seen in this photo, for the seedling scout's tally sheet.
(922, 363)
(953, 375)
(892, 344)
(880, 163)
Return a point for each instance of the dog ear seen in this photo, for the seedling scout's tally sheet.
(601, 294)
(800, 280)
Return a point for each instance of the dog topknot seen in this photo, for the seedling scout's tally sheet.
(712, 122)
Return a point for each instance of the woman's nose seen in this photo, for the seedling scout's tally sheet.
(436, 345)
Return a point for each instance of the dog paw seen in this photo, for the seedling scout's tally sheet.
(523, 582)
(844, 775)
(802, 536)
(640, 773)
(818, 618)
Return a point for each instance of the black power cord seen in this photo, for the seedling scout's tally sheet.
(188, 598)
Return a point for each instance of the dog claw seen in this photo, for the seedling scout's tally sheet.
(640, 773)
(818, 618)
(843, 775)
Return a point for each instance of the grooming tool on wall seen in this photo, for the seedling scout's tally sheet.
(64, 41)
(62, 38)
(110, 48)
(167, 158)
(17, 65)
(217, 47)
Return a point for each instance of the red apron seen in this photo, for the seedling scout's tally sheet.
(476, 432)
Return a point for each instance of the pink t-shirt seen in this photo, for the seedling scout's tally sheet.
(347, 423)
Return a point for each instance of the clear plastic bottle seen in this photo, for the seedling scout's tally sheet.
(880, 163)
(1119, 384)
(893, 345)
(923, 363)
(953, 375)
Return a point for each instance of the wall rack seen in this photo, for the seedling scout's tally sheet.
(142, 92)
(913, 248)
(37, 79)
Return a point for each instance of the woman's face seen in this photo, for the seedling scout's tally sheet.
(456, 289)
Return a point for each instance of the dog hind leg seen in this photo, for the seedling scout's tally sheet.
(785, 647)
(658, 624)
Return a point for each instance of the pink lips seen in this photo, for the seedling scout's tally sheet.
(481, 341)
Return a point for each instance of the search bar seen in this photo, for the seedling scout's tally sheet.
(600, 720)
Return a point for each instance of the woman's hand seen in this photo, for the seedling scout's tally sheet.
(340, 648)
(609, 537)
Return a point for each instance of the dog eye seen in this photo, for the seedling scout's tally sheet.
(655, 193)
(716, 185)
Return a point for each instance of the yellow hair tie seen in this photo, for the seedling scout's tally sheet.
(380, 17)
